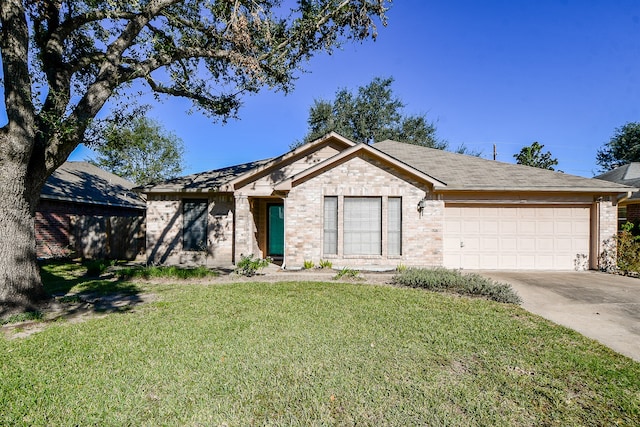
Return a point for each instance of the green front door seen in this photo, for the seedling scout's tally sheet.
(275, 231)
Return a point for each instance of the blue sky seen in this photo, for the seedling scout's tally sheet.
(564, 73)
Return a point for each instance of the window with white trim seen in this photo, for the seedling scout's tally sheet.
(394, 226)
(362, 226)
(330, 225)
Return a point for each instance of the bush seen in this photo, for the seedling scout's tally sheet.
(308, 265)
(171, 272)
(325, 263)
(442, 279)
(95, 267)
(248, 265)
(347, 273)
(628, 249)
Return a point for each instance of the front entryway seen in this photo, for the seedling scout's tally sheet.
(275, 230)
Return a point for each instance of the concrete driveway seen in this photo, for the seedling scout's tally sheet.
(601, 306)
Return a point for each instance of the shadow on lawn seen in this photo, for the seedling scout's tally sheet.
(76, 292)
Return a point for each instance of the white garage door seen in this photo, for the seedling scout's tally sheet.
(540, 238)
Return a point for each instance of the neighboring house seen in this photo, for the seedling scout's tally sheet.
(379, 206)
(628, 204)
(88, 212)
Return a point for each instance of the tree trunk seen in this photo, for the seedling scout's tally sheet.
(20, 283)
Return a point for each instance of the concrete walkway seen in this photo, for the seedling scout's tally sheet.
(601, 306)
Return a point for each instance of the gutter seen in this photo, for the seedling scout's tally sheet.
(624, 198)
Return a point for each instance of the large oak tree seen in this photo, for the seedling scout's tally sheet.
(62, 60)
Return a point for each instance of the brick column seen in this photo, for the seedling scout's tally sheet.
(243, 228)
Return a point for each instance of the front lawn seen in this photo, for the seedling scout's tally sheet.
(313, 353)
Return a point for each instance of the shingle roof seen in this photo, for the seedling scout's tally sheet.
(83, 182)
(628, 174)
(462, 172)
(203, 181)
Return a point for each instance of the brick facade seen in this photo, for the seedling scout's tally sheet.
(633, 213)
(54, 222)
(165, 225)
(361, 177)
(237, 220)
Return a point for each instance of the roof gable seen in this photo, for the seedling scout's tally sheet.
(331, 138)
(356, 150)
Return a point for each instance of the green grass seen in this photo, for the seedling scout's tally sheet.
(314, 354)
(171, 272)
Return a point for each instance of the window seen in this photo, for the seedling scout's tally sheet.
(362, 226)
(194, 226)
(394, 226)
(330, 226)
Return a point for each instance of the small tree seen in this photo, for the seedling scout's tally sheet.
(141, 151)
(622, 148)
(532, 155)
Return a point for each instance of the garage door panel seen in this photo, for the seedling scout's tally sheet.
(527, 227)
(508, 244)
(487, 227)
(508, 227)
(526, 244)
(545, 245)
(545, 227)
(518, 237)
(490, 244)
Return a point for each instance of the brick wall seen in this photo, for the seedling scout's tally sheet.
(53, 224)
(421, 233)
(633, 213)
(164, 231)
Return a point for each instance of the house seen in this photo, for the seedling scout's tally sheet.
(628, 204)
(379, 206)
(86, 211)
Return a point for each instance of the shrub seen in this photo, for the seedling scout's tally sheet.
(171, 272)
(628, 249)
(442, 279)
(308, 265)
(95, 267)
(325, 263)
(248, 265)
(347, 273)
(22, 317)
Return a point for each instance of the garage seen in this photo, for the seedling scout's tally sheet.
(515, 237)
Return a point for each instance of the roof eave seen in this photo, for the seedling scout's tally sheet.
(596, 190)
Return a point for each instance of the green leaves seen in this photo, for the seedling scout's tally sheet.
(140, 151)
(372, 115)
(533, 156)
(623, 148)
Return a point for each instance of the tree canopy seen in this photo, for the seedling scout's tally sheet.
(62, 60)
(622, 148)
(372, 114)
(532, 155)
(141, 151)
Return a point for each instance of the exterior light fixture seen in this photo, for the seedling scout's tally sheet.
(422, 204)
